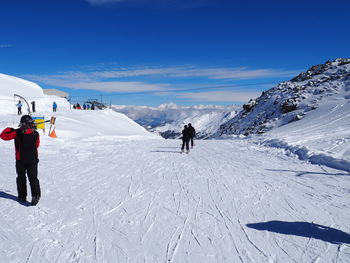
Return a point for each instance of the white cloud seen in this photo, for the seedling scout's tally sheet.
(115, 86)
(137, 79)
(221, 96)
(191, 71)
(5, 45)
(83, 81)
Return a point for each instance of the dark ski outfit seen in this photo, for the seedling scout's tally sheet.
(185, 139)
(192, 133)
(27, 141)
(33, 106)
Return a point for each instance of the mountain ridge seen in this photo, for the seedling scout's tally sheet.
(291, 100)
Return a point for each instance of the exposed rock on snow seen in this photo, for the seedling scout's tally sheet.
(289, 101)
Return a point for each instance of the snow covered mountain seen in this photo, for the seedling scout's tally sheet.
(292, 100)
(111, 193)
(168, 119)
(308, 116)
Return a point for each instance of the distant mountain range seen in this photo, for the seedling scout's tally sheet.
(285, 103)
(168, 120)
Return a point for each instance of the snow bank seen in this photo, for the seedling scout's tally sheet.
(70, 124)
(10, 85)
(306, 154)
(322, 137)
(84, 124)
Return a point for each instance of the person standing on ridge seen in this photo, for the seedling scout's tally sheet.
(54, 106)
(19, 108)
(185, 139)
(27, 142)
(192, 133)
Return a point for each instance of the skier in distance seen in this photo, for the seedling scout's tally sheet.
(185, 139)
(19, 107)
(192, 133)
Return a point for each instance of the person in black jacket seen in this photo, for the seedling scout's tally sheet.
(185, 139)
(192, 133)
(27, 142)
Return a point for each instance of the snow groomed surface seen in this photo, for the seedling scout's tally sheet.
(108, 200)
(113, 192)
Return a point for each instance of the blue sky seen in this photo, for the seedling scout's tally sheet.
(149, 52)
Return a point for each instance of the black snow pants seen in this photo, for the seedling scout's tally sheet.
(31, 168)
(185, 142)
(191, 141)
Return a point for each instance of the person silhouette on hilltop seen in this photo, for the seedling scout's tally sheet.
(185, 139)
(192, 133)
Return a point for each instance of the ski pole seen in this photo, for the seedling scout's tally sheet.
(42, 122)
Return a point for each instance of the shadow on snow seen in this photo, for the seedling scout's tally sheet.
(12, 197)
(171, 147)
(165, 151)
(301, 173)
(304, 229)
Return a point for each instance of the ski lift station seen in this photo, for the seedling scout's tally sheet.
(56, 92)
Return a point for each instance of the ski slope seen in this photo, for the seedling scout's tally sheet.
(113, 200)
(113, 192)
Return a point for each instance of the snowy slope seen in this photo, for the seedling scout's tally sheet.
(316, 129)
(110, 194)
(142, 201)
(70, 124)
(168, 119)
(322, 137)
(292, 100)
(87, 124)
(10, 85)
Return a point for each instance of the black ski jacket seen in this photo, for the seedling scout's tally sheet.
(185, 134)
(26, 143)
(191, 131)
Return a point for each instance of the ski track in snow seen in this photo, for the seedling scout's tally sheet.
(143, 201)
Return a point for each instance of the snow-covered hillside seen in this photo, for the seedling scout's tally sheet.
(9, 86)
(108, 200)
(69, 123)
(292, 100)
(308, 116)
(113, 192)
(168, 119)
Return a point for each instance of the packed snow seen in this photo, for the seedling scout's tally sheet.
(113, 192)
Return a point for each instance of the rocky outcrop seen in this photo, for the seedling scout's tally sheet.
(291, 100)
